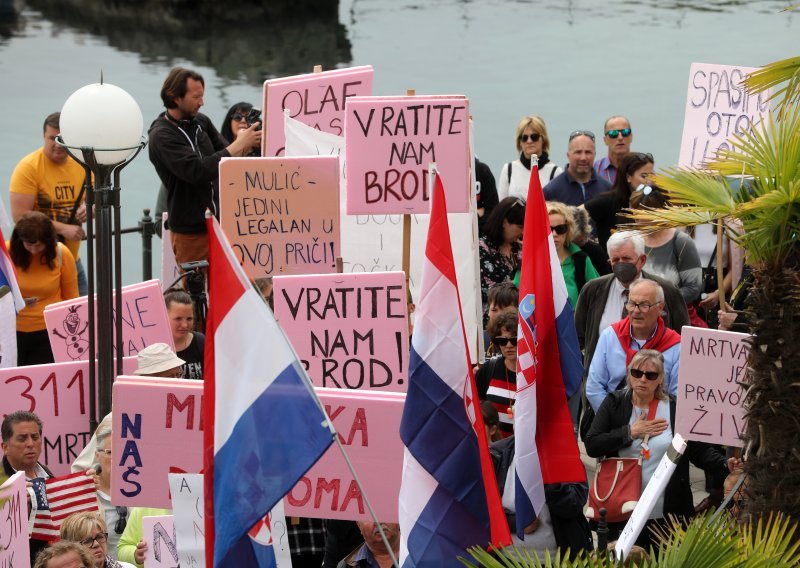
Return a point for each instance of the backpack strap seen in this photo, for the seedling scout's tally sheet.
(509, 171)
(553, 172)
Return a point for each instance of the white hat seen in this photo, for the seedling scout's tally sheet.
(157, 358)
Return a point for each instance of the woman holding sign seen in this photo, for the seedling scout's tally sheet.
(46, 274)
(89, 529)
(638, 422)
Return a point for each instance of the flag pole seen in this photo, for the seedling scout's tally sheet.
(334, 434)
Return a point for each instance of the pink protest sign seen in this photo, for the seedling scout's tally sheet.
(157, 425)
(162, 546)
(281, 215)
(315, 99)
(717, 107)
(369, 426)
(391, 141)
(710, 398)
(144, 322)
(349, 330)
(58, 393)
(14, 526)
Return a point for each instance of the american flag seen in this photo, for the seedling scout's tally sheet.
(57, 499)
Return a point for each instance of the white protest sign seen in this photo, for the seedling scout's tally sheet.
(159, 535)
(710, 398)
(14, 523)
(189, 518)
(717, 108)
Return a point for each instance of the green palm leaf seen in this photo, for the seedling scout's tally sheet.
(774, 74)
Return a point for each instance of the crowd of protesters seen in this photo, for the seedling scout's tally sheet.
(630, 293)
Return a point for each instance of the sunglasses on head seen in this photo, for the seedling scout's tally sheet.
(577, 133)
(559, 229)
(617, 131)
(535, 137)
(503, 341)
(638, 374)
(644, 157)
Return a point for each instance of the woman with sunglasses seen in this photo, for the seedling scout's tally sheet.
(532, 143)
(497, 378)
(235, 120)
(500, 249)
(46, 274)
(576, 265)
(639, 421)
(607, 208)
(89, 529)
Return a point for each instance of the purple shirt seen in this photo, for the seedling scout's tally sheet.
(606, 170)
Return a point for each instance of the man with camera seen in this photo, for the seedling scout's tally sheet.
(185, 149)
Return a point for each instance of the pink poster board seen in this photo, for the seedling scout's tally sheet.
(58, 393)
(717, 107)
(709, 403)
(391, 141)
(157, 425)
(349, 330)
(315, 99)
(369, 426)
(159, 534)
(281, 215)
(144, 322)
(14, 523)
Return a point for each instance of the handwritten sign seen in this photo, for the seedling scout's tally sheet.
(717, 107)
(368, 423)
(349, 330)
(144, 322)
(709, 403)
(162, 545)
(157, 425)
(14, 523)
(189, 518)
(58, 393)
(390, 143)
(315, 99)
(281, 215)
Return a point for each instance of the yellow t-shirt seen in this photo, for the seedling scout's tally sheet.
(55, 186)
(47, 285)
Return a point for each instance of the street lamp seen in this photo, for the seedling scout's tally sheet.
(101, 128)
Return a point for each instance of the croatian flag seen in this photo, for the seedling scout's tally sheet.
(549, 367)
(449, 499)
(8, 276)
(263, 425)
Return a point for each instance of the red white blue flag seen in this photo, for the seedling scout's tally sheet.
(549, 368)
(449, 499)
(8, 276)
(263, 426)
(59, 497)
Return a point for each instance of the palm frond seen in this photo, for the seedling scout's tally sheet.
(769, 543)
(698, 189)
(701, 544)
(777, 73)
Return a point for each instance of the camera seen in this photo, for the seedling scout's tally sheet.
(253, 116)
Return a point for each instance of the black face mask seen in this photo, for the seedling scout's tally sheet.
(625, 272)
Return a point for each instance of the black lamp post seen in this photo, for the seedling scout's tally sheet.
(101, 128)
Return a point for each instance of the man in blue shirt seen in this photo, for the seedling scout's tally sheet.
(618, 135)
(373, 553)
(578, 183)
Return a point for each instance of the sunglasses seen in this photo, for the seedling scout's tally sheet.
(503, 341)
(617, 131)
(122, 520)
(532, 137)
(238, 117)
(644, 157)
(638, 374)
(577, 133)
(559, 229)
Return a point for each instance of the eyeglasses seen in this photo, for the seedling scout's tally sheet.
(559, 229)
(577, 133)
(645, 189)
(638, 374)
(122, 520)
(238, 117)
(503, 341)
(99, 538)
(535, 137)
(643, 307)
(617, 131)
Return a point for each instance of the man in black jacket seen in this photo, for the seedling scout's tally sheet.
(185, 149)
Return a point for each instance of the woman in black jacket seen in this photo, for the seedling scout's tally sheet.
(622, 425)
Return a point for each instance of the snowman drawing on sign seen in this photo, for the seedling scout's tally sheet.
(77, 346)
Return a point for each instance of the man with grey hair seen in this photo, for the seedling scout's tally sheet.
(642, 328)
(602, 300)
(617, 135)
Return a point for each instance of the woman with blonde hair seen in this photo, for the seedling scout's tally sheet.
(89, 529)
(532, 142)
(576, 265)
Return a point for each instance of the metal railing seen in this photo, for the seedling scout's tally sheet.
(147, 227)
